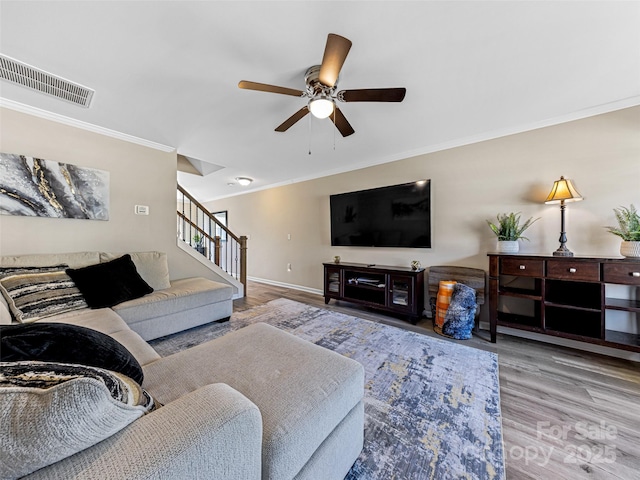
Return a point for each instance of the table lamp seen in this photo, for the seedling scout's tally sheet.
(563, 191)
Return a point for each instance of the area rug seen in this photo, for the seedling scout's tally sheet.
(432, 407)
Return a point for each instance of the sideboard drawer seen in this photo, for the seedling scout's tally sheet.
(572, 270)
(620, 273)
(523, 267)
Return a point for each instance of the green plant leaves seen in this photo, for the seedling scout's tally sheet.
(508, 226)
(628, 224)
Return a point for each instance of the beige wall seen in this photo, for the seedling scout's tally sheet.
(469, 184)
(138, 175)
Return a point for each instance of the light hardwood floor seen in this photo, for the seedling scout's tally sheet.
(566, 414)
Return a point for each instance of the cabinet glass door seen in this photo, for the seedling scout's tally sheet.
(333, 281)
(400, 292)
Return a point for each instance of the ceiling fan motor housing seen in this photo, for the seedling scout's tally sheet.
(314, 86)
(322, 93)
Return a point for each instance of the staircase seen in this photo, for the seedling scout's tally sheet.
(198, 228)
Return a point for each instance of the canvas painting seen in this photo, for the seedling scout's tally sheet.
(35, 187)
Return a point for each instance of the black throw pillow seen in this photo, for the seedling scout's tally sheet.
(110, 283)
(65, 343)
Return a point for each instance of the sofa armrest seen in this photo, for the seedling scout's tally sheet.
(213, 432)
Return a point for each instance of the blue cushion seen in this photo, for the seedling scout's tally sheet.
(460, 317)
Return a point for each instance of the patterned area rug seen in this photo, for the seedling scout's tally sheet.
(432, 407)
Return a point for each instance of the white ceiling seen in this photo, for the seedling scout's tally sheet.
(167, 72)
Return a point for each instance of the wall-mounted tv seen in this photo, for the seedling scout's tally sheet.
(393, 216)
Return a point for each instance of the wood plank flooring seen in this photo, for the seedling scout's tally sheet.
(566, 414)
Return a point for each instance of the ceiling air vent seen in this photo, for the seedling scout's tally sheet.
(36, 79)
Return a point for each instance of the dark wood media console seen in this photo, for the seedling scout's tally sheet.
(393, 289)
(563, 296)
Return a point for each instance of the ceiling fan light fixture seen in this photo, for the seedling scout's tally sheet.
(244, 181)
(321, 85)
(321, 106)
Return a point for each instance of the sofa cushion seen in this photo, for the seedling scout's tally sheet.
(107, 284)
(74, 259)
(65, 343)
(104, 320)
(49, 411)
(38, 292)
(303, 391)
(140, 349)
(176, 442)
(107, 321)
(183, 295)
(153, 267)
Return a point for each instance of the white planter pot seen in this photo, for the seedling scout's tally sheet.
(508, 246)
(630, 249)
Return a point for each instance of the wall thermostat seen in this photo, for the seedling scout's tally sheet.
(142, 210)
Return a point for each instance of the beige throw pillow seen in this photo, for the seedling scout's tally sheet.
(49, 411)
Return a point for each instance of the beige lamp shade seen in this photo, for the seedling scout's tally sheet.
(562, 192)
(563, 189)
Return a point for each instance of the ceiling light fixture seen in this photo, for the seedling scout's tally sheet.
(321, 106)
(244, 181)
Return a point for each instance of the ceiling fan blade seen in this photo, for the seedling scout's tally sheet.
(341, 123)
(335, 53)
(263, 87)
(373, 95)
(288, 123)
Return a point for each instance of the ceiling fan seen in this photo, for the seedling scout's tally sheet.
(321, 85)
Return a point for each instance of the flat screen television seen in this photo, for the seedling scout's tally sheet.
(393, 216)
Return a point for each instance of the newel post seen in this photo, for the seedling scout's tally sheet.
(216, 251)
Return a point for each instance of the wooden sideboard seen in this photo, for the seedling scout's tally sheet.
(398, 290)
(563, 296)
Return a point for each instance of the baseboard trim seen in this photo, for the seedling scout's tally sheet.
(286, 285)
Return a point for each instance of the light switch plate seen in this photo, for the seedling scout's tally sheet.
(142, 210)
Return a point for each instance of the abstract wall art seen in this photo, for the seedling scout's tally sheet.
(35, 187)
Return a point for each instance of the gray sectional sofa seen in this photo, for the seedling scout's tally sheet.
(174, 305)
(257, 403)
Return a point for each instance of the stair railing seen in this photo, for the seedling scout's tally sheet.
(212, 239)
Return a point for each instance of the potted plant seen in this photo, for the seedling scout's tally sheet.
(198, 239)
(628, 229)
(509, 230)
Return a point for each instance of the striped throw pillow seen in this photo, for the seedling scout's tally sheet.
(39, 292)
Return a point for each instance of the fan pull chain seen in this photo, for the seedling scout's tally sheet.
(334, 130)
(309, 134)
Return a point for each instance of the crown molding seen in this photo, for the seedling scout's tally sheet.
(459, 142)
(37, 112)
